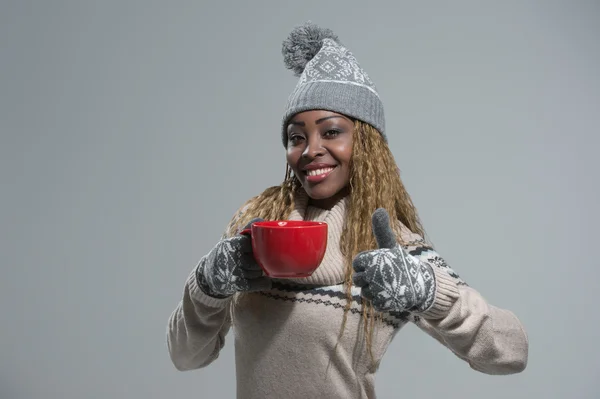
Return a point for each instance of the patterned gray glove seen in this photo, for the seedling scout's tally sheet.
(389, 277)
(230, 267)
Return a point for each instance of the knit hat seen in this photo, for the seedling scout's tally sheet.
(330, 78)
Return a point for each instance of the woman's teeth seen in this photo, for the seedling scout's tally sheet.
(317, 172)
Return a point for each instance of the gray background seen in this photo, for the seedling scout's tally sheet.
(131, 131)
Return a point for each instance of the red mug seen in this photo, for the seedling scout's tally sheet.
(288, 248)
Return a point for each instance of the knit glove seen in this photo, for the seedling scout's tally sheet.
(230, 267)
(389, 277)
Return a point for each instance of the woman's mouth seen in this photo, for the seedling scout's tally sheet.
(318, 175)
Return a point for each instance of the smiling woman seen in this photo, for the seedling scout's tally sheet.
(319, 153)
(324, 336)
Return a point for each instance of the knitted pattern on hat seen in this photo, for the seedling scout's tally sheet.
(330, 78)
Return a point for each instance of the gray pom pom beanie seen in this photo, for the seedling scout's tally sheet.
(330, 78)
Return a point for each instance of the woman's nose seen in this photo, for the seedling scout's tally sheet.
(314, 149)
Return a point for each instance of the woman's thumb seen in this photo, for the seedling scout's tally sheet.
(384, 235)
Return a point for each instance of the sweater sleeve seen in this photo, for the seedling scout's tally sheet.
(197, 328)
(490, 339)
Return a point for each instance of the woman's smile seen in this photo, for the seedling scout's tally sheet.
(317, 173)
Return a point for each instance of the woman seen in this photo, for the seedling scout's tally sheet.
(324, 336)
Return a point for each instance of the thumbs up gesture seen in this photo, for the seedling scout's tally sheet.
(389, 277)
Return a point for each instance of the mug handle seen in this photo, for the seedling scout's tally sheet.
(248, 232)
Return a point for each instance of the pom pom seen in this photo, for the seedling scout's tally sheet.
(303, 43)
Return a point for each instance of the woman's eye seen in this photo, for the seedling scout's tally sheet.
(295, 138)
(331, 133)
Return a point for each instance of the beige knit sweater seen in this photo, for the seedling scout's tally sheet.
(285, 338)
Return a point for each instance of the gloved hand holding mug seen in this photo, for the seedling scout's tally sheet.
(230, 267)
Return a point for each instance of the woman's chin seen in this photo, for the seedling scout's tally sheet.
(323, 193)
(319, 194)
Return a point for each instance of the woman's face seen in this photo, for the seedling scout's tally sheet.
(318, 151)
